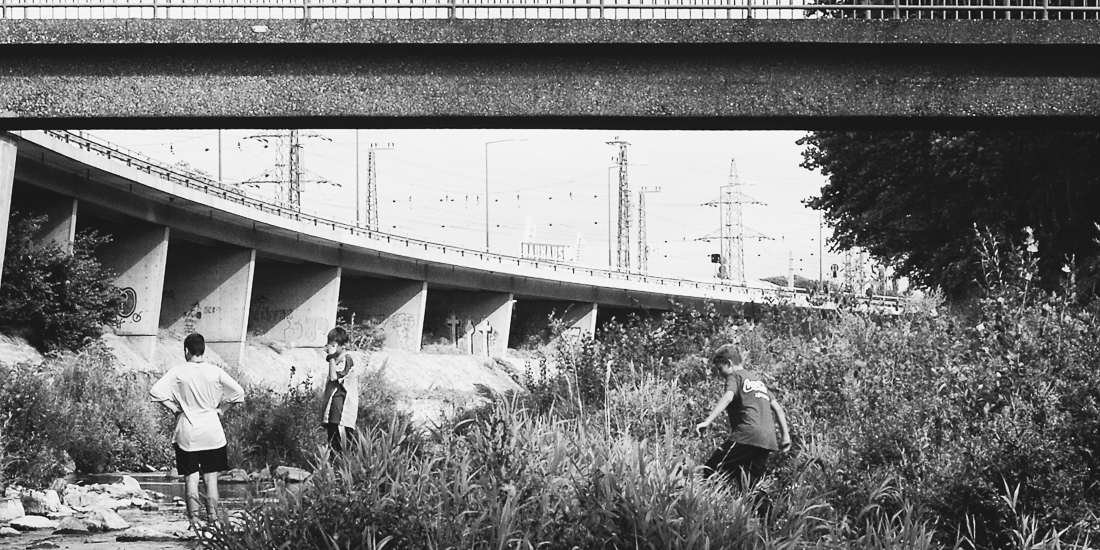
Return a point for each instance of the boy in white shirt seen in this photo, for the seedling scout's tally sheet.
(198, 393)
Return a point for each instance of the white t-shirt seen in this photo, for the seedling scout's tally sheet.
(198, 388)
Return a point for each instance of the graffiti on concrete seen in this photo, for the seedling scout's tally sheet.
(127, 310)
(301, 331)
(191, 319)
(400, 326)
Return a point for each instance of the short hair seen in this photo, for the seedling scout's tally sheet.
(338, 336)
(195, 344)
(726, 354)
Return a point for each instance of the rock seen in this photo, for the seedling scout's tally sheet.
(62, 512)
(41, 503)
(9, 532)
(72, 526)
(150, 506)
(43, 544)
(11, 508)
(133, 486)
(105, 519)
(145, 534)
(33, 523)
(235, 475)
(291, 474)
(262, 475)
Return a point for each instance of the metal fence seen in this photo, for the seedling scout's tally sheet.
(230, 193)
(549, 9)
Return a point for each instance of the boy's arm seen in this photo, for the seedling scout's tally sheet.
(784, 433)
(333, 370)
(720, 406)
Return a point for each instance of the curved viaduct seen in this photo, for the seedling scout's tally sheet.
(194, 255)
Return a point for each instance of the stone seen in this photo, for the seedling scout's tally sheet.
(235, 475)
(133, 486)
(106, 519)
(291, 474)
(33, 523)
(41, 503)
(145, 534)
(72, 526)
(62, 512)
(42, 545)
(11, 508)
(150, 506)
(9, 532)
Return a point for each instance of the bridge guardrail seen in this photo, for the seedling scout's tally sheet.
(214, 188)
(548, 9)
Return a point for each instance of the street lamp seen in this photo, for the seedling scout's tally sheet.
(487, 144)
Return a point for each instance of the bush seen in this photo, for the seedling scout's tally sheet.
(55, 299)
(81, 410)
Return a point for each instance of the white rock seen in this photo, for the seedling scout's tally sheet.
(33, 523)
(72, 526)
(106, 519)
(144, 534)
(9, 532)
(41, 503)
(62, 512)
(11, 508)
(133, 486)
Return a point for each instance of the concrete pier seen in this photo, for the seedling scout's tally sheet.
(397, 305)
(294, 304)
(138, 253)
(483, 320)
(208, 290)
(7, 178)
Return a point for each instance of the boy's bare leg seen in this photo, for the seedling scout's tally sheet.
(193, 504)
(211, 481)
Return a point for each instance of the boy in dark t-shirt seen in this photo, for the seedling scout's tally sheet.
(750, 407)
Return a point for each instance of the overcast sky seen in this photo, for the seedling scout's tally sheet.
(431, 186)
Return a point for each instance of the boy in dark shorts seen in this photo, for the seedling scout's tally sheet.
(198, 393)
(750, 407)
(341, 400)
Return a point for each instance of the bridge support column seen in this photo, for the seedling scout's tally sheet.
(60, 226)
(207, 290)
(294, 304)
(488, 314)
(531, 320)
(7, 178)
(580, 318)
(138, 255)
(398, 305)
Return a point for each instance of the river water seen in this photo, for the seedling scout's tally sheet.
(173, 486)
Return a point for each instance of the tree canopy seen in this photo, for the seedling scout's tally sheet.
(916, 200)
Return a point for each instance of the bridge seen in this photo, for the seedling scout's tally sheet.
(657, 64)
(193, 254)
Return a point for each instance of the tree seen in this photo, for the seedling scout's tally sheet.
(54, 298)
(917, 199)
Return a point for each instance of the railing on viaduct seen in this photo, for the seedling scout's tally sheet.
(214, 188)
(550, 9)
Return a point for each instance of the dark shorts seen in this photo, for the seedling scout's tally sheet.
(208, 461)
(732, 458)
(338, 439)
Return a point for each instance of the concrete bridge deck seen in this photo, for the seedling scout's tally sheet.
(660, 74)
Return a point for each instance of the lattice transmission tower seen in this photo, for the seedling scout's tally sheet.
(623, 241)
(731, 232)
(372, 185)
(643, 240)
(286, 174)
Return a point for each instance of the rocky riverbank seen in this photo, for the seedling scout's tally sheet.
(123, 514)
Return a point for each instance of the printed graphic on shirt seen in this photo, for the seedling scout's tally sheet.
(757, 387)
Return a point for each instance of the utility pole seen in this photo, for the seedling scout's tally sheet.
(624, 207)
(372, 185)
(643, 242)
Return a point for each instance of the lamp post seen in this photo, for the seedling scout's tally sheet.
(487, 144)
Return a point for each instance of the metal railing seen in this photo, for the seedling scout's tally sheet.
(548, 9)
(179, 176)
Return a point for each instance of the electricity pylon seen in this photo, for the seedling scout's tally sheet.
(731, 232)
(624, 207)
(643, 241)
(372, 185)
(287, 172)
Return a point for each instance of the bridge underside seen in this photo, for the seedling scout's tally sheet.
(554, 74)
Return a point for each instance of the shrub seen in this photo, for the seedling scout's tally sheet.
(56, 299)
